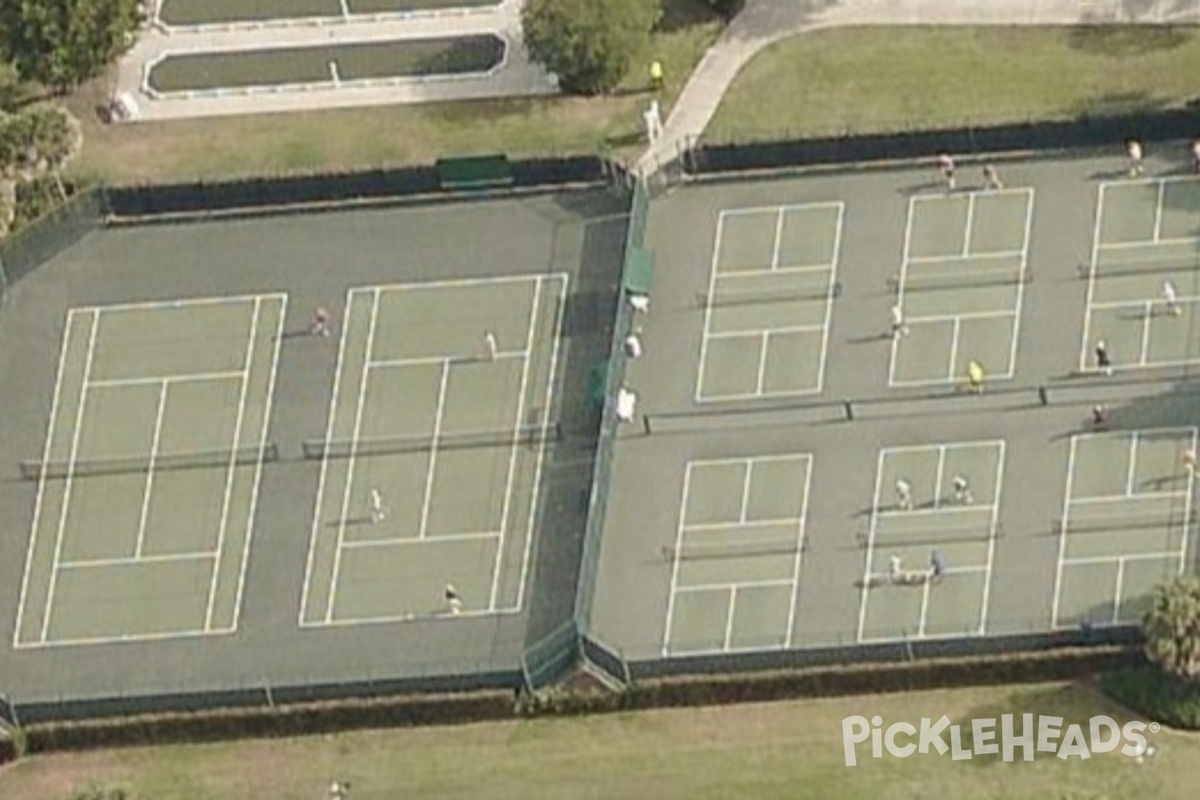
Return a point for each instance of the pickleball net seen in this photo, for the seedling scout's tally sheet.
(794, 288)
(393, 445)
(932, 280)
(703, 551)
(55, 469)
(1133, 264)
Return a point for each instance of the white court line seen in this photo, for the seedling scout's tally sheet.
(231, 467)
(939, 475)
(169, 558)
(1125, 498)
(674, 587)
(977, 508)
(60, 533)
(547, 409)
(411, 616)
(1158, 212)
(345, 8)
(708, 307)
(320, 500)
(923, 616)
(1111, 304)
(198, 377)
(972, 256)
(955, 333)
(1119, 585)
(744, 523)
(955, 318)
(194, 302)
(729, 617)
(746, 491)
(764, 347)
(1187, 508)
(901, 282)
(1062, 536)
(1133, 245)
(759, 334)
(530, 339)
(37, 505)
(446, 538)
(354, 440)
(1091, 287)
(439, 415)
(1020, 304)
(748, 210)
(450, 283)
(764, 273)
(778, 239)
(868, 561)
(970, 223)
(148, 485)
(828, 320)
(726, 586)
(1131, 473)
(1146, 319)
(122, 639)
(991, 556)
(507, 355)
(1090, 560)
(258, 467)
(801, 535)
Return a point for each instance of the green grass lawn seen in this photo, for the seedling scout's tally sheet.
(364, 138)
(789, 751)
(886, 79)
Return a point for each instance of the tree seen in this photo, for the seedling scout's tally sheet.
(62, 43)
(1172, 629)
(588, 44)
(10, 85)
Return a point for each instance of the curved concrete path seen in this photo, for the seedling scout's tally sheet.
(764, 22)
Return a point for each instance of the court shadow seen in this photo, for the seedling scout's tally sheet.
(348, 521)
(885, 336)
(297, 334)
(921, 188)
(1109, 174)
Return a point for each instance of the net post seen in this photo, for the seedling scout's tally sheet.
(646, 428)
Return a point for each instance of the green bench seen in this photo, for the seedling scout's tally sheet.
(474, 172)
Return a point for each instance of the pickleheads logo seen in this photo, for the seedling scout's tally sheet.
(1043, 734)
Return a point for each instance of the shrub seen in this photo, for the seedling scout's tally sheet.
(1159, 696)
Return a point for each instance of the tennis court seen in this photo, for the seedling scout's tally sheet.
(1146, 235)
(149, 481)
(769, 303)
(345, 65)
(1126, 523)
(961, 285)
(903, 596)
(736, 558)
(258, 13)
(452, 436)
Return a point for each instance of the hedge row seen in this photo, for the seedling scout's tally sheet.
(8, 749)
(1147, 689)
(290, 720)
(1049, 665)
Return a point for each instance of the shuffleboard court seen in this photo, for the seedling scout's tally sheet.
(149, 479)
(1126, 523)
(226, 13)
(441, 408)
(336, 65)
(961, 286)
(768, 308)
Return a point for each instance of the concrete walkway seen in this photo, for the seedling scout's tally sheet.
(764, 22)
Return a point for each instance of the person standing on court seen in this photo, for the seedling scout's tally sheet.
(453, 599)
(490, 346)
(975, 377)
(904, 494)
(946, 166)
(1134, 149)
(962, 490)
(1171, 299)
(991, 178)
(322, 324)
(1103, 361)
(899, 328)
(378, 512)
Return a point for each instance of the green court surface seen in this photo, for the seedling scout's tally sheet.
(1146, 236)
(415, 370)
(767, 308)
(190, 13)
(961, 286)
(737, 554)
(150, 549)
(324, 65)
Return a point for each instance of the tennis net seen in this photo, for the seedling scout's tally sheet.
(926, 280)
(823, 290)
(390, 445)
(1151, 266)
(701, 551)
(84, 467)
(1166, 519)
(936, 534)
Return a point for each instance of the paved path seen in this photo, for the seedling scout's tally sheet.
(764, 22)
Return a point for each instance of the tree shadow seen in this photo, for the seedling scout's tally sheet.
(679, 15)
(1125, 41)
